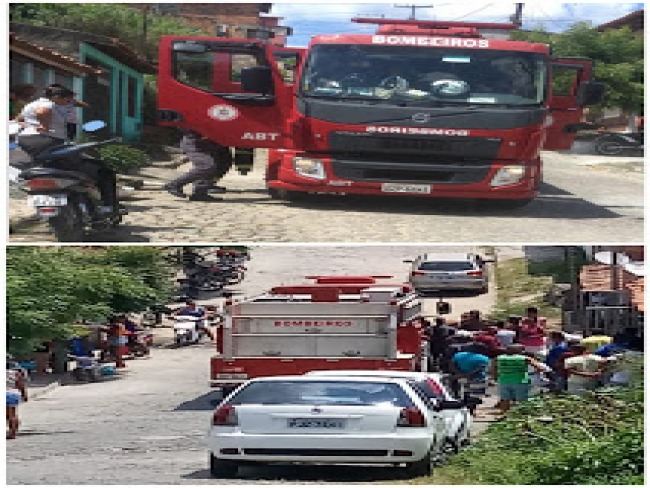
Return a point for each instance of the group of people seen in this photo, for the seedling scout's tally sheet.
(51, 119)
(475, 354)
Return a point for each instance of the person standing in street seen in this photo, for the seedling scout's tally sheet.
(558, 347)
(210, 162)
(513, 380)
(16, 392)
(531, 332)
(470, 368)
(583, 370)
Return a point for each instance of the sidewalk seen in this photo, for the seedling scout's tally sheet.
(41, 384)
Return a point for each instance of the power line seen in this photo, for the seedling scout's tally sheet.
(474, 11)
(413, 7)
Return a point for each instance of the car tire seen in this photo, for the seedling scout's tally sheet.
(423, 467)
(222, 468)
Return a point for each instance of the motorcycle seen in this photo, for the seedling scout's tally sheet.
(188, 329)
(139, 344)
(87, 369)
(614, 143)
(70, 200)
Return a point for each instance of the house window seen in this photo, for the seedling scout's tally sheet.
(132, 97)
(41, 77)
(17, 70)
(62, 78)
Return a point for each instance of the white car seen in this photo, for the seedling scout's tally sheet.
(333, 420)
(458, 421)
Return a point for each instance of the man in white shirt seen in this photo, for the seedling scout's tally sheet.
(44, 121)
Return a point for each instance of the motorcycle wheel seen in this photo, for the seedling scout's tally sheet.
(67, 226)
(608, 147)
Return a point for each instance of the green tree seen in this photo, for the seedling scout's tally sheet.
(50, 290)
(108, 19)
(617, 53)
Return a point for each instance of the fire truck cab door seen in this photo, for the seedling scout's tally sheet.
(566, 76)
(199, 88)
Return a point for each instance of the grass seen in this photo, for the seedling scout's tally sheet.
(522, 284)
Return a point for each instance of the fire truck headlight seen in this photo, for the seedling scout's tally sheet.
(508, 175)
(309, 167)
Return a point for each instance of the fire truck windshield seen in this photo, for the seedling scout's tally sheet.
(424, 75)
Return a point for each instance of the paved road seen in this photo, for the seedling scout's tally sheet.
(584, 199)
(149, 426)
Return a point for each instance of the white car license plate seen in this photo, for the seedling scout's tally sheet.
(47, 200)
(401, 188)
(315, 423)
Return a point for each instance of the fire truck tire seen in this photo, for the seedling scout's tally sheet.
(222, 468)
(279, 194)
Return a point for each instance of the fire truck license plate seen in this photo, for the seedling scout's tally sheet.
(401, 188)
(316, 423)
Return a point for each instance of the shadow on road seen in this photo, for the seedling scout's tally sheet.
(552, 203)
(205, 402)
(297, 473)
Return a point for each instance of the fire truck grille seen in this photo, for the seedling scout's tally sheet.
(410, 172)
(360, 144)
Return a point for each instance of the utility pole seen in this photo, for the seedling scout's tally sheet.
(516, 17)
(413, 7)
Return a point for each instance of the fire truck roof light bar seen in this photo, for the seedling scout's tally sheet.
(435, 24)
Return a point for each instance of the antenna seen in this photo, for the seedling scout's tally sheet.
(413, 7)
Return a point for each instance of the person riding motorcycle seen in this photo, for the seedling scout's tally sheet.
(193, 310)
(44, 128)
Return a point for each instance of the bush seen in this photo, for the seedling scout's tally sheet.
(560, 440)
(123, 158)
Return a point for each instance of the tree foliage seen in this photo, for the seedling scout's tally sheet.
(107, 19)
(617, 53)
(49, 290)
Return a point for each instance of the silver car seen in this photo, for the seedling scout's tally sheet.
(448, 271)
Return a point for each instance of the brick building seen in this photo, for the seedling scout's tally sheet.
(242, 20)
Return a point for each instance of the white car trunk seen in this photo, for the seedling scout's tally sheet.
(334, 420)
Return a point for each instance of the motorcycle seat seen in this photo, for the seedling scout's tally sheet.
(40, 172)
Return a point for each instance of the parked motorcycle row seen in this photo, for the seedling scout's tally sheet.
(210, 272)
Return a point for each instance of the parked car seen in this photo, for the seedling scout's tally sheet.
(458, 421)
(448, 271)
(332, 420)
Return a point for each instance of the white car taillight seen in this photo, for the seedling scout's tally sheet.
(475, 273)
(411, 417)
(225, 415)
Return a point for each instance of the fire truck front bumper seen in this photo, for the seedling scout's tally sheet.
(497, 180)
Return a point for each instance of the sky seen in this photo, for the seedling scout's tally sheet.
(310, 18)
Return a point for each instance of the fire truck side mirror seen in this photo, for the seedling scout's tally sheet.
(443, 308)
(590, 93)
(257, 79)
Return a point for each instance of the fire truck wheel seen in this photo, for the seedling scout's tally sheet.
(279, 194)
(222, 468)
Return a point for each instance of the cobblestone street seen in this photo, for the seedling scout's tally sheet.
(584, 199)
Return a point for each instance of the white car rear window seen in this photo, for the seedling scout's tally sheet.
(322, 393)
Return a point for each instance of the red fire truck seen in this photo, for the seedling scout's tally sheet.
(428, 108)
(336, 322)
